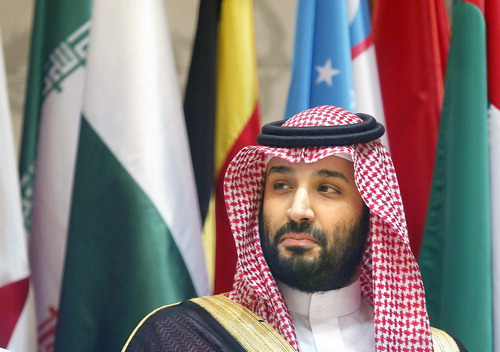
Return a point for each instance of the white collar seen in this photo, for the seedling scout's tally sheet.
(338, 302)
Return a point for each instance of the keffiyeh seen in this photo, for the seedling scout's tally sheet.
(390, 278)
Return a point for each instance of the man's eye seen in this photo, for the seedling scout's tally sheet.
(281, 185)
(328, 189)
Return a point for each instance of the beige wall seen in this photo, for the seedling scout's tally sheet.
(274, 22)
(15, 25)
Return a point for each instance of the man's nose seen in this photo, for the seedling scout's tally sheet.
(300, 210)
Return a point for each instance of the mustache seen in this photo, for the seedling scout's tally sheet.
(304, 227)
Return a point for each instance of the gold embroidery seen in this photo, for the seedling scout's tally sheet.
(255, 334)
(443, 342)
(250, 330)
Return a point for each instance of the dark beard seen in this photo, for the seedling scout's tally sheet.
(334, 268)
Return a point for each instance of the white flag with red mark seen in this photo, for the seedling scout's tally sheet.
(17, 323)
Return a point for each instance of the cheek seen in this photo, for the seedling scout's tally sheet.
(274, 210)
(269, 221)
(353, 209)
(338, 213)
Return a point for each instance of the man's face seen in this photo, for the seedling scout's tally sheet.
(313, 223)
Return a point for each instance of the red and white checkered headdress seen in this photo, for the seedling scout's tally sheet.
(390, 277)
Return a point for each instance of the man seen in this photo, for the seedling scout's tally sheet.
(324, 262)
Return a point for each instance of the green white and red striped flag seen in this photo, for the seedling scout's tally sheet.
(51, 123)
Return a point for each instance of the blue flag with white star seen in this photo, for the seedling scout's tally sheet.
(329, 36)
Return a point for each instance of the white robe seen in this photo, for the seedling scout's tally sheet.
(337, 320)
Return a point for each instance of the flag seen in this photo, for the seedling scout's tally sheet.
(199, 100)
(237, 118)
(455, 256)
(17, 310)
(134, 238)
(492, 9)
(334, 59)
(199, 111)
(412, 40)
(51, 122)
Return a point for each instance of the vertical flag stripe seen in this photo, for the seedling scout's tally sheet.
(493, 47)
(200, 114)
(16, 294)
(225, 248)
(237, 122)
(494, 129)
(299, 93)
(412, 37)
(23, 337)
(236, 76)
(33, 103)
(199, 101)
(492, 13)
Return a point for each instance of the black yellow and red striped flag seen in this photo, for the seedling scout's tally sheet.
(222, 116)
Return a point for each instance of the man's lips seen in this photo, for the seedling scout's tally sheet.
(298, 239)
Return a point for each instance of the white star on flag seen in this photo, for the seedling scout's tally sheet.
(326, 73)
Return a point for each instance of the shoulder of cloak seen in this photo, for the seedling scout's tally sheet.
(213, 323)
(444, 342)
(183, 326)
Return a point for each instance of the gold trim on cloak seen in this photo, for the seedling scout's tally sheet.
(255, 334)
(251, 331)
(443, 342)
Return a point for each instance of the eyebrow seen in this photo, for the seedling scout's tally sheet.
(319, 173)
(330, 173)
(281, 170)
